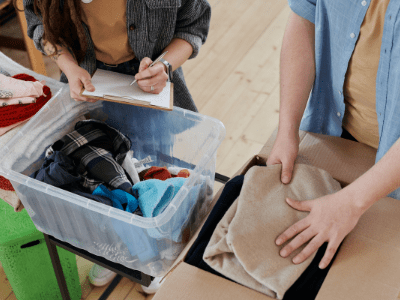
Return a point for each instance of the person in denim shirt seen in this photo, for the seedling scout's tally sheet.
(319, 50)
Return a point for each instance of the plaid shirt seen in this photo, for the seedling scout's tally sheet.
(98, 151)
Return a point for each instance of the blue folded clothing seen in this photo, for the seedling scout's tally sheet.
(154, 195)
(119, 198)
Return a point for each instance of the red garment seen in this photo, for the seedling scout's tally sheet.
(5, 184)
(157, 173)
(162, 173)
(183, 173)
(12, 114)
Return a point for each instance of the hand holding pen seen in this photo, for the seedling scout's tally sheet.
(152, 77)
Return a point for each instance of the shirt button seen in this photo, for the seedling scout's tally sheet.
(340, 92)
(338, 114)
(352, 35)
(132, 27)
(364, 3)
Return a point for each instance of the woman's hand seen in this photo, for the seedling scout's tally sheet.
(78, 78)
(284, 152)
(153, 79)
(331, 218)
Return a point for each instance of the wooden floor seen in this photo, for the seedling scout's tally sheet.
(235, 79)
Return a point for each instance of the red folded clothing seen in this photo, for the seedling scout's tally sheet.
(162, 173)
(5, 184)
(183, 173)
(12, 114)
(157, 173)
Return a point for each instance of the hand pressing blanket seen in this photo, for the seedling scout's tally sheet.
(243, 247)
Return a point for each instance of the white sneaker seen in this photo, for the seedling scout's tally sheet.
(99, 276)
(153, 287)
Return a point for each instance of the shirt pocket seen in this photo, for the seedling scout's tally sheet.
(157, 4)
(161, 17)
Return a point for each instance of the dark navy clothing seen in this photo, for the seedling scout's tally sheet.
(229, 194)
(59, 170)
(98, 151)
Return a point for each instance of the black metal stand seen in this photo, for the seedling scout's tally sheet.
(221, 178)
(121, 270)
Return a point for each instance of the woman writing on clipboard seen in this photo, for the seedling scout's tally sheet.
(123, 36)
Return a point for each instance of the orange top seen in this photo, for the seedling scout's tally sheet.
(360, 118)
(107, 25)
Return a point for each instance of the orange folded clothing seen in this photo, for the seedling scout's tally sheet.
(161, 173)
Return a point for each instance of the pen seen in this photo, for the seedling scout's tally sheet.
(153, 63)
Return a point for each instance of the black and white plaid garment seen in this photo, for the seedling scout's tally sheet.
(98, 151)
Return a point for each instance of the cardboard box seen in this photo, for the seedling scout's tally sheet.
(368, 263)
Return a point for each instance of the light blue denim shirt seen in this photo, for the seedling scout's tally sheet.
(337, 26)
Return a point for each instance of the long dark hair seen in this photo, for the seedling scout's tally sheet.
(62, 24)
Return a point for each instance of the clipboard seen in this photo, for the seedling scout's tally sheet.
(115, 87)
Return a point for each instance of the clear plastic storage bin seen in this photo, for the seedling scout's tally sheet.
(178, 138)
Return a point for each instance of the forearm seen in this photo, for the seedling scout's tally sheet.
(62, 56)
(382, 179)
(179, 51)
(297, 72)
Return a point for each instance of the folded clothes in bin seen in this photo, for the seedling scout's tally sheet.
(174, 228)
(90, 158)
(119, 198)
(58, 170)
(98, 151)
(148, 250)
(15, 90)
(21, 96)
(178, 138)
(15, 110)
(154, 195)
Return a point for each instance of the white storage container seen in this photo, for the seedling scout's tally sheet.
(178, 138)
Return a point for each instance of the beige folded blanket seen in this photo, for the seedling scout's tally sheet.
(243, 244)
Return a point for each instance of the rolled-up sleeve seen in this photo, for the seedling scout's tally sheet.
(193, 23)
(35, 25)
(304, 8)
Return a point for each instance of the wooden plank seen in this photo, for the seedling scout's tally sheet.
(221, 22)
(266, 120)
(234, 160)
(5, 287)
(97, 292)
(84, 267)
(12, 297)
(35, 56)
(258, 71)
(123, 289)
(241, 106)
(136, 293)
(236, 120)
(217, 186)
(232, 48)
